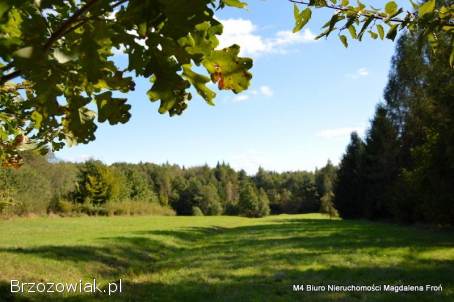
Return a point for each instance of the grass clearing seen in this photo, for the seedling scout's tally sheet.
(224, 258)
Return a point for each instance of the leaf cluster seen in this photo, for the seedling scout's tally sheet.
(428, 19)
(65, 53)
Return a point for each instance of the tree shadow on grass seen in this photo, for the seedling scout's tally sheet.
(259, 287)
(260, 262)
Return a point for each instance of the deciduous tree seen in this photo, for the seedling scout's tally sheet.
(57, 58)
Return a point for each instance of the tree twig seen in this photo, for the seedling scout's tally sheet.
(372, 14)
(66, 24)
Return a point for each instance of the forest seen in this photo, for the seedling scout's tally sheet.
(46, 185)
(403, 170)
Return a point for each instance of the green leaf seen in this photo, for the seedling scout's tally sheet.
(296, 12)
(332, 22)
(344, 41)
(234, 3)
(114, 110)
(301, 19)
(426, 8)
(391, 7)
(199, 82)
(352, 31)
(373, 35)
(381, 31)
(37, 119)
(78, 122)
(142, 29)
(364, 27)
(168, 86)
(392, 32)
(202, 40)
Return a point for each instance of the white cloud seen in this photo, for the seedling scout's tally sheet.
(263, 90)
(243, 32)
(361, 72)
(266, 90)
(249, 160)
(287, 37)
(339, 132)
(241, 98)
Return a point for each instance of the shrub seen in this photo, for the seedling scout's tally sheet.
(61, 206)
(132, 207)
(7, 202)
(196, 211)
(90, 209)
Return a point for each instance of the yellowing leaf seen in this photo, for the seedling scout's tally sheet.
(228, 70)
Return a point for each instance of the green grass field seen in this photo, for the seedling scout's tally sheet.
(224, 258)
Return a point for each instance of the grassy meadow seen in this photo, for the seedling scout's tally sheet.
(224, 258)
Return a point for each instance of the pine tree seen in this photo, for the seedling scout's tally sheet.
(309, 198)
(380, 165)
(349, 185)
(325, 178)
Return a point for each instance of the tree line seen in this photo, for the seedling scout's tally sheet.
(404, 168)
(45, 185)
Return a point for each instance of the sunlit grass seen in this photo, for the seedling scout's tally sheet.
(225, 258)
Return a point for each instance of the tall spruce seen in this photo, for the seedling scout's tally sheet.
(380, 165)
(349, 185)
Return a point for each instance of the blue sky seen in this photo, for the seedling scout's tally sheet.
(306, 97)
